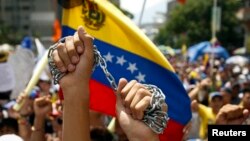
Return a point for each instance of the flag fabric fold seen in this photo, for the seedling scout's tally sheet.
(129, 54)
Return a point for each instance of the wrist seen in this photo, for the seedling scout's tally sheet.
(81, 82)
(76, 94)
(38, 123)
(34, 129)
(22, 121)
(40, 117)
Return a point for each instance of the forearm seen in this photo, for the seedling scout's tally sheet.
(134, 135)
(24, 128)
(194, 92)
(151, 138)
(38, 131)
(76, 114)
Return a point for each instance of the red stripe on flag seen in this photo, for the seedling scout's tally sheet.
(102, 98)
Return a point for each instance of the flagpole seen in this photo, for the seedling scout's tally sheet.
(141, 15)
(214, 20)
(213, 39)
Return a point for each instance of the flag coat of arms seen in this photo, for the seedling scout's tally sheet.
(129, 54)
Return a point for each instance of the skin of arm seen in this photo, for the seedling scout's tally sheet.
(75, 57)
(42, 107)
(76, 115)
(24, 127)
(193, 94)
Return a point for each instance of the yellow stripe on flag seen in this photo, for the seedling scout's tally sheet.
(121, 32)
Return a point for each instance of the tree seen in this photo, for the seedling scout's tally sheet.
(191, 23)
(9, 34)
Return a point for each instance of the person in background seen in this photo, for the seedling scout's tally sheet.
(226, 94)
(208, 113)
(42, 107)
(235, 93)
(245, 103)
(7, 76)
(44, 84)
(8, 126)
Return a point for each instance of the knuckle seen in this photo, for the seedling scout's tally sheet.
(137, 108)
(133, 81)
(141, 91)
(137, 84)
(60, 46)
(55, 54)
(123, 92)
(147, 99)
(69, 38)
(59, 65)
(132, 107)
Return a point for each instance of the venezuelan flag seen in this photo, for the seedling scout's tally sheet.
(129, 54)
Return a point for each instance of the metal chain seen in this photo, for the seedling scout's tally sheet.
(56, 73)
(154, 117)
(99, 60)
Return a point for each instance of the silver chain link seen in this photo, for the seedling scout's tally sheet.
(154, 116)
(99, 60)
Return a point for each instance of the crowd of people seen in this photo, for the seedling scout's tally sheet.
(219, 94)
(215, 88)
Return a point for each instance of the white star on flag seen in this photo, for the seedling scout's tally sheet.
(140, 77)
(132, 67)
(108, 57)
(120, 60)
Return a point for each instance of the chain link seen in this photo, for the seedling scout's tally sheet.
(154, 116)
(56, 73)
(99, 60)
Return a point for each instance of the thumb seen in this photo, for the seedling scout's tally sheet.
(122, 83)
(87, 58)
(86, 39)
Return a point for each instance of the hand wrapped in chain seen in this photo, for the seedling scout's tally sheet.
(132, 102)
(72, 56)
(69, 69)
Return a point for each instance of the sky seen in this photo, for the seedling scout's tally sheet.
(151, 8)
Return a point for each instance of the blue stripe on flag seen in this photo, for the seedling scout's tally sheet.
(122, 63)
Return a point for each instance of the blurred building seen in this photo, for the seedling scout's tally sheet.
(152, 29)
(244, 15)
(170, 6)
(29, 17)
